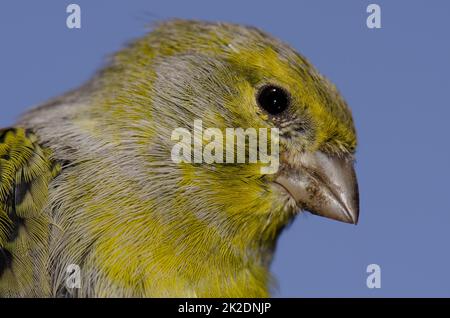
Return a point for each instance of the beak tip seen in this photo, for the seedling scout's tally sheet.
(355, 221)
(352, 214)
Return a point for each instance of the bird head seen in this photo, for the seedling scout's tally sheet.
(230, 76)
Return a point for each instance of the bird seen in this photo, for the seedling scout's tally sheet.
(87, 179)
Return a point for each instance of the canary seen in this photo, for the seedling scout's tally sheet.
(87, 179)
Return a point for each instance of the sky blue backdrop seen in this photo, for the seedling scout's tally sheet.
(395, 79)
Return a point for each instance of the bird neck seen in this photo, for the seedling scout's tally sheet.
(211, 262)
(184, 258)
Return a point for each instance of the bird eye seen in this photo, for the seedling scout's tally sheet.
(273, 99)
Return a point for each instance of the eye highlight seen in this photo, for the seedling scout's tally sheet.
(273, 99)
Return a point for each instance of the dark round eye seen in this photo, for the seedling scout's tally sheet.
(273, 99)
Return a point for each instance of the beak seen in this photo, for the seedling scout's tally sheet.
(324, 186)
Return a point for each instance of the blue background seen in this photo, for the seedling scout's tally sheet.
(395, 79)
